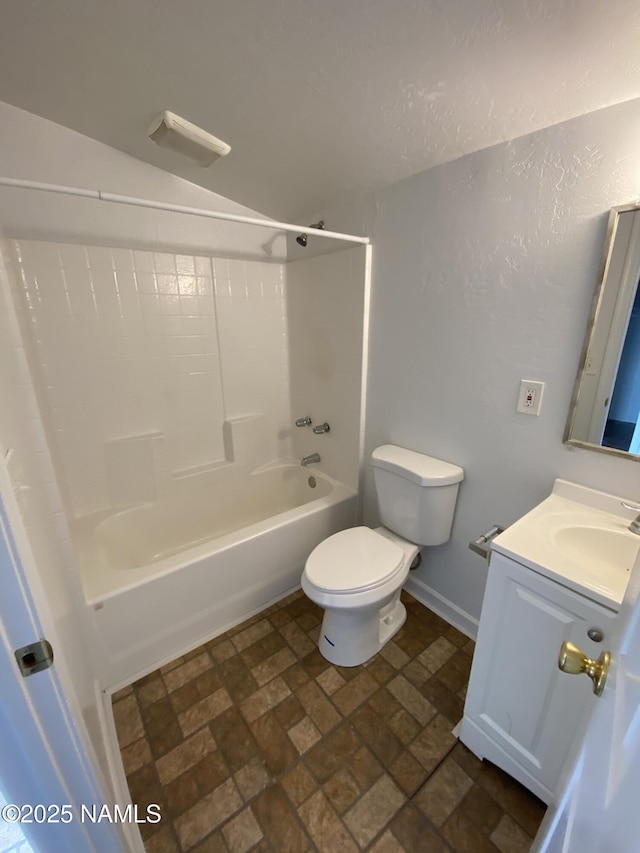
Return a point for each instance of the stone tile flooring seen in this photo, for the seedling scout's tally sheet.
(254, 742)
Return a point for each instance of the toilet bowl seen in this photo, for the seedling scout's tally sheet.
(357, 575)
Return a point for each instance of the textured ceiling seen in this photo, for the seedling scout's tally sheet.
(318, 98)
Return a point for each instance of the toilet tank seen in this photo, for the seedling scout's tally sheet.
(416, 493)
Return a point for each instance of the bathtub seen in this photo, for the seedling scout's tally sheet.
(163, 577)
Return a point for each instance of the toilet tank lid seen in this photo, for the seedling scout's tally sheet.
(421, 469)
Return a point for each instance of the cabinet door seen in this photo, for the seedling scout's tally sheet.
(518, 699)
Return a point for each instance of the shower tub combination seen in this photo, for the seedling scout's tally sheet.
(216, 546)
(163, 577)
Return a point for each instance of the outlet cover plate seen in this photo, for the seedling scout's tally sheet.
(530, 397)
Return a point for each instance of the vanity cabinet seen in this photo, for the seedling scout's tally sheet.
(521, 712)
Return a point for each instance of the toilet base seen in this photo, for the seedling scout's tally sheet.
(351, 637)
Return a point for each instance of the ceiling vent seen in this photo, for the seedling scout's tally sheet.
(179, 135)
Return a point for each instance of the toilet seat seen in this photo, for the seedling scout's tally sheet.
(353, 560)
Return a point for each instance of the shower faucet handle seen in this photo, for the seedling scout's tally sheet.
(320, 428)
(302, 422)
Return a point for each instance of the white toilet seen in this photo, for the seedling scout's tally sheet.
(356, 575)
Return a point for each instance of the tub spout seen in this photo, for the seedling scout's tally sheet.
(309, 460)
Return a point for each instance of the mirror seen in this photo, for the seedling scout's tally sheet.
(605, 408)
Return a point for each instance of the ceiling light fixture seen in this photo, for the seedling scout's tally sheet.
(177, 134)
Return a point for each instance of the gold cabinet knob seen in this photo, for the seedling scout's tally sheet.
(574, 661)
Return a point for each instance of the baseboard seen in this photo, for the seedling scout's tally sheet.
(441, 606)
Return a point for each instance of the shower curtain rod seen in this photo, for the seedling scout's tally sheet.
(178, 208)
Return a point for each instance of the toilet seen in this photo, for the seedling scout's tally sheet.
(356, 575)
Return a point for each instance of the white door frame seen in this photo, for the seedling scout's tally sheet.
(42, 760)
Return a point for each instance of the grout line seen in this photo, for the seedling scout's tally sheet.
(434, 769)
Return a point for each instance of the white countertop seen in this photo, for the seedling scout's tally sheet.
(578, 537)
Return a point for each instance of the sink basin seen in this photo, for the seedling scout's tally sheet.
(579, 537)
(599, 549)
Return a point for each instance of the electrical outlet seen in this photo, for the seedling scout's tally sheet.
(530, 397)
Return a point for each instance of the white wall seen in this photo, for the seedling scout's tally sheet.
(34, 149)
(483, 274)
(326, 303)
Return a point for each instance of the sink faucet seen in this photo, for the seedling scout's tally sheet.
(315, 457)
(634, 527)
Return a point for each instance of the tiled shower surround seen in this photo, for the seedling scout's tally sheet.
(139, 357)
(254, 742)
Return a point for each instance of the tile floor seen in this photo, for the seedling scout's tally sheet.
(254, 742)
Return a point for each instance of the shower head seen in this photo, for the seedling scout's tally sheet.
(302, 239)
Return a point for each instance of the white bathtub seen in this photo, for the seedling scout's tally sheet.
(161, 578)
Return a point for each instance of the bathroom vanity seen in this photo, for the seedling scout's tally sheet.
(557, 574)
